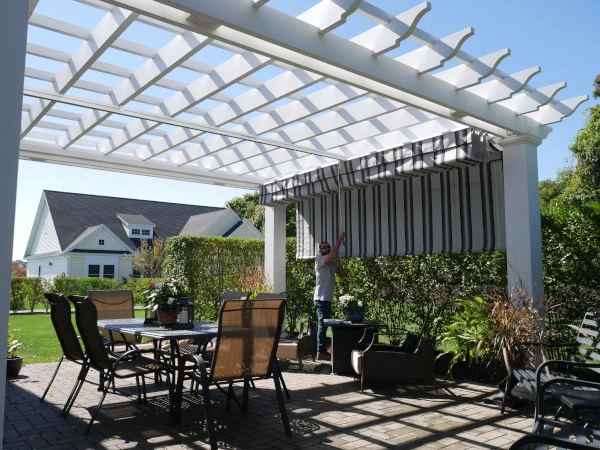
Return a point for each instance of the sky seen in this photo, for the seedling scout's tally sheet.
(562, 37)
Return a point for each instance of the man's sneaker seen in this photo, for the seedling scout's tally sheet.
(323, 357)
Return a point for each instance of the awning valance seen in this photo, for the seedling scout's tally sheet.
(461, 148)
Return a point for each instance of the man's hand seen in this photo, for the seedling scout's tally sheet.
(333, 254)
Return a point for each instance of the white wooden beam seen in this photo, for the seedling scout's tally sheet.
(35, 151)
(275, 247)
(556, 111)
(329, 14)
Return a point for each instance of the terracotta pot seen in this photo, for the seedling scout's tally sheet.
(167, 318)
(13, 366)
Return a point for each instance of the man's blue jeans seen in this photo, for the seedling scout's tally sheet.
(323, 312)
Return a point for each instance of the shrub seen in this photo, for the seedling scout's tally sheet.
(62, 284)
(37, 287)
(19, 293)
(139, 286)
(209, 266)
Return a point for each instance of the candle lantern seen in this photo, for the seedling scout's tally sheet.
(185, 313)
(150, 315)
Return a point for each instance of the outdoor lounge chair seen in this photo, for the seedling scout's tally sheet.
(583, 354)
(248, 332)
(60, 314)
(127, 365)
(411, 362)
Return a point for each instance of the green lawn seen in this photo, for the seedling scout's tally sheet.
(37, 334)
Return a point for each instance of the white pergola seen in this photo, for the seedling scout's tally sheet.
(332, 99)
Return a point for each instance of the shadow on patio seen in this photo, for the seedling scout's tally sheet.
(326, 411)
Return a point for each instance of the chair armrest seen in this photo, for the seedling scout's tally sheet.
(524, 442)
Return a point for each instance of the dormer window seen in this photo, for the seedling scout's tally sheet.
(137, 226)
(135, 231)
(145, 232)
(100, 241)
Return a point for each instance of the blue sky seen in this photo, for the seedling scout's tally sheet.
(562, 37)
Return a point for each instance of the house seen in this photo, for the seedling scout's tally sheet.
(92, 236)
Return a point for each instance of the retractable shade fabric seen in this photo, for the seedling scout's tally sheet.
(439, 195)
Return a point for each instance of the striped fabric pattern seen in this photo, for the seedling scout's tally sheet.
(457, 149)
(458, 210)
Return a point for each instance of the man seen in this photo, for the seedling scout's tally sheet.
(326, 266)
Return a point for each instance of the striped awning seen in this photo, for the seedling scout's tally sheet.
(442, 195)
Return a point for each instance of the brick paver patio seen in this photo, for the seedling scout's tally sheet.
(326, 411)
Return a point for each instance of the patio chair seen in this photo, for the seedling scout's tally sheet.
(582, 354)
(248, 332)
(411, 362)
(60, 314)
(117, 304)
(547, 432)
(127, 365)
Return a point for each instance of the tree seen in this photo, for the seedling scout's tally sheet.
(596, 92)
(148, 260)
(551, 190)
(19, 271)
(584, 185)
(19, 263)
(247, 207)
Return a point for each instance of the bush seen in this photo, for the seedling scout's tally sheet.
(37, 287)
(138, 286)
(19, 293)
(62, 284)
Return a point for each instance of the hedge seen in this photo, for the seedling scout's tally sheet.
(209, 266)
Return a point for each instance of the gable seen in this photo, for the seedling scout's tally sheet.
(91, 242)
(43, 238)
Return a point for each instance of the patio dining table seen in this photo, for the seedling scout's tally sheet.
(201, 331)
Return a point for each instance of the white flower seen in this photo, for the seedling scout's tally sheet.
(159, 286)
(360, 304)
(170, 301)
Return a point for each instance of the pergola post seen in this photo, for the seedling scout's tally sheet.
(522, 214)
(275, 247)
(13, 39)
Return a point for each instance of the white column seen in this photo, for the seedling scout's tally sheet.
(522, 213)
(275, 247)
(13, 40)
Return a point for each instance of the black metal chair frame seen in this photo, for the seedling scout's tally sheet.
(97, 357)
(206, 380)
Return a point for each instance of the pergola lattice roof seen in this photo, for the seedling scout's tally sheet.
(289, 95)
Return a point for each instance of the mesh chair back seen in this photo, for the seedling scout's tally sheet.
(283, 296)
(113, 304)
(86, 317)
(60, 314)
(247, 339)
(231, 295)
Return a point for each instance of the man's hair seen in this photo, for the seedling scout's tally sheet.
(321, 244)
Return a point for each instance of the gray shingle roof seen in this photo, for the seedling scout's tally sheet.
(135, 219)
(73, 214)
(198, 223)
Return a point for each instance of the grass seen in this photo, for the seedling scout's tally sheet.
(40, 344)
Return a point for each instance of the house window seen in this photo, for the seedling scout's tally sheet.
(135, 231)
(109, 271)
(94, 271)
(50, 263)
(100, 241)
(145, 232)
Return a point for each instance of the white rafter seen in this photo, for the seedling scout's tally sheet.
(105, 33)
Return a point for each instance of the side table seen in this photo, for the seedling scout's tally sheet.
(345, 336)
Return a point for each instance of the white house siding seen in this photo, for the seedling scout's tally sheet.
(125, 269)
(59, 265)
(77, 269)
(91, 243)
(46, 239)
(244, 232)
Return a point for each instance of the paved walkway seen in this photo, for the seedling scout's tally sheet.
(326, 411)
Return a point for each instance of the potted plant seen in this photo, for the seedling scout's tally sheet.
(14, 362)
(353, 308)
(162, 298)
